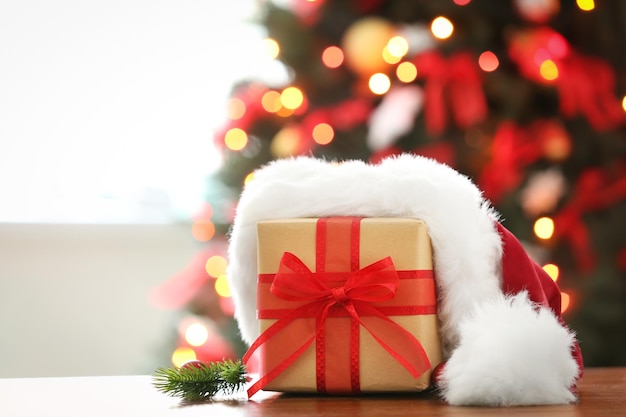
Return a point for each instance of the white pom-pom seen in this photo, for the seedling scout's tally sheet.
(510, 353)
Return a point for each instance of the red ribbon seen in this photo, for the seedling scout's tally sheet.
(457, 79)
(289, 338)
(513, 148)
(594, 190)
(586, 86)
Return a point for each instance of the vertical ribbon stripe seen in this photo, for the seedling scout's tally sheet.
(337, 250)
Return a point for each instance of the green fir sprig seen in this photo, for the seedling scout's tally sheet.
(201, 380)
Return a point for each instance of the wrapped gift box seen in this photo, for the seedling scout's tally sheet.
(346, 305)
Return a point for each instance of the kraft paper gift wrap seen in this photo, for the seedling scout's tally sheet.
(366, 321)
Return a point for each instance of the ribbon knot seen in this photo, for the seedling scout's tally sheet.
(339, 295)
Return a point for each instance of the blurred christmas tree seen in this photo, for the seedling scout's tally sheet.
(519, 95)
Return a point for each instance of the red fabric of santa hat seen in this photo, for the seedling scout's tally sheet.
(531, 291)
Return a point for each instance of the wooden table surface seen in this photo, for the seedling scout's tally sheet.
(602, 393)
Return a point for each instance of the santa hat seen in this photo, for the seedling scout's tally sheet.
(503, 338)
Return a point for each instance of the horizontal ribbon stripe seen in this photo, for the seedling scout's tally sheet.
(411, 293)
(339, 312)
(342, 276)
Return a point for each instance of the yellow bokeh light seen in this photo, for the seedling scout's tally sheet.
(565, 301)
(235, 108)
(221, 286)
(379, 83)
(284, 112)
(286, 142)
(441, 28)
(196, 334)
(271, 101)
(236, 139)
(332, 57)
(548, 70)
(323, 133)
(363, 43)
(271, 48)
(389, 58)
(248, 178)
(544, 228)
(183, 355)
(292, 98)
(406, 72)
(586, 5)
(216, 265)
(398, 46)
(203, 230)
(552, 270)
(624, 103)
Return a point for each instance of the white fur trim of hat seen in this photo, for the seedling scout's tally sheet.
(500, 348)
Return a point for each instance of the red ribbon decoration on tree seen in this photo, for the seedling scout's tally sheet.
(586, 86)
(514, 147)
(456, 79)
(594, 190)
(512, 150)
(295, 282)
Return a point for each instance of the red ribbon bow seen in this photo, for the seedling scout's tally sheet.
(377, 282)
(586, 86)
(456, 80)
(594, 190)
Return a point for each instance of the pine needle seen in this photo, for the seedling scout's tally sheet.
(202, 380)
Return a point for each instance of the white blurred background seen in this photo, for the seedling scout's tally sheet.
(106, 117)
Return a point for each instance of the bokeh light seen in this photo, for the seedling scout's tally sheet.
(488, 61)
(182, 355)
(389, 58)
(271, 48)
(196, 334)
(323, 133)
(363, 44)
(624, 103)
(397, 47)
(461, 2)
(552, 270)
(248, 178)
(292, 98)
(548, 70)
(406, 72)
(286, 142)
(236, 139)
(221, 286)
(379, 83)
(271, 101)
(332, 57)
(565, 301)
(203, 230)
(586, 5)
(544, 228)
(235, 108)
(441, 27)
(216, 265)
(284, 111)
